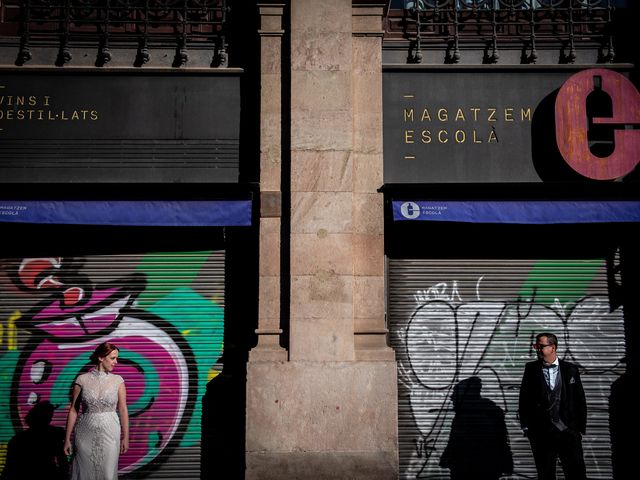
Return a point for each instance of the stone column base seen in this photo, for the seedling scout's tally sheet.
(322, 465)
(317, 420)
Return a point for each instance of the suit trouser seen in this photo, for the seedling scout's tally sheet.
(567, 446)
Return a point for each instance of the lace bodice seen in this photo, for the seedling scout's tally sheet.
(99, 391)
(97, 431)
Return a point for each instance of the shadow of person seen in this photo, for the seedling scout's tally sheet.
(223, 414)
(622, 428)
(478, 446)
(37, 452)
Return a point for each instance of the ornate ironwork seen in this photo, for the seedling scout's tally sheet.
(141, 23)
(494, 23)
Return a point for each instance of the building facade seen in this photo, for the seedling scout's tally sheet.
(315, 229)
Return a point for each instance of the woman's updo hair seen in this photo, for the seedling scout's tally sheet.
(101, 351)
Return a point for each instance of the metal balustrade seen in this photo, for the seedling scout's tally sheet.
(142, 23)
(454, 24)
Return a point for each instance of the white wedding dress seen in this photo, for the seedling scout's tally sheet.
(97, 430)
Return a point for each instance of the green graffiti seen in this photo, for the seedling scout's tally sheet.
(8, 361)
(202, 324)
(564, 280)
(167, 271)
(153, 440)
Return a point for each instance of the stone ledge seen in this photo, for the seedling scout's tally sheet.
(324, 465)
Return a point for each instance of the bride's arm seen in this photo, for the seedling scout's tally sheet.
(124, 417)
(72, 416)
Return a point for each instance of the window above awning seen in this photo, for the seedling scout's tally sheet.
(161, 213)
(523, 212)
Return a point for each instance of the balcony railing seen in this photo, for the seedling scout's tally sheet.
(143, 23)
(530, 24)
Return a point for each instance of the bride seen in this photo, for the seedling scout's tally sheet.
(101, 421)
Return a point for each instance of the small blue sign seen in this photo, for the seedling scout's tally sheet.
(526, 212)
(183, 213)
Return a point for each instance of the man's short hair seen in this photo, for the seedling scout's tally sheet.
(551, 338)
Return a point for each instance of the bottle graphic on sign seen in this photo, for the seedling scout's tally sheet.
(601, 137)
(614, 105)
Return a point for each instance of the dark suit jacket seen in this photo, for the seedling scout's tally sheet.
(534, 400)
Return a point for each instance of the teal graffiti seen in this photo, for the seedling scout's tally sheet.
(9, 360)
(202, 325)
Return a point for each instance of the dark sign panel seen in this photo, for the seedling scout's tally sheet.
(119, 127)
(499, 125)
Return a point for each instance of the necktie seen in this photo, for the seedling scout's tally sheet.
(549, 371)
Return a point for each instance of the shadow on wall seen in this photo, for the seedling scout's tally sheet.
(224, 403)
(222, 422)
(622, 427)
(37, 452)
(478, 444)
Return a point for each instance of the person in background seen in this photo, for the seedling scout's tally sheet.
(553, 411)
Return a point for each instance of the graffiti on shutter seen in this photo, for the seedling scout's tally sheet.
(464, 329)
(163, 310)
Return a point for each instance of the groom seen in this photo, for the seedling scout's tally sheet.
(553, 411)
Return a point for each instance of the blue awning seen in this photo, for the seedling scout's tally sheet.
(525, 212)
(159, 213)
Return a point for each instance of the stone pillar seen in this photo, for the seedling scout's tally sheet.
(321, 182)
(331, 410)
(268, 347)
(368, 212)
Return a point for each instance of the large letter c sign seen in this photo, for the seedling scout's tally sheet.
(572, 124)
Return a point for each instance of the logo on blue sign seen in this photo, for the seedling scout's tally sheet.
(410, 210)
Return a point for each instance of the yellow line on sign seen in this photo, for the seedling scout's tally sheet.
(409, 157)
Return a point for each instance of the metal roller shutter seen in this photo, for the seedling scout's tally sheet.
(469, 324)
(165, 311)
